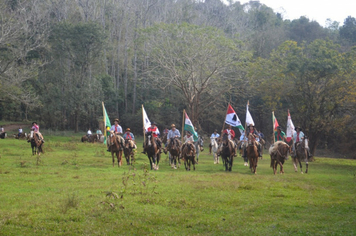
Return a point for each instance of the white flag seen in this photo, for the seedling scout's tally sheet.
(249, 119)
(146, 121)
(290, 128)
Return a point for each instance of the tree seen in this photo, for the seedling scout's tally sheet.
(198, 61)
(348, 30)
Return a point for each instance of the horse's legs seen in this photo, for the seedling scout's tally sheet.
(157, 160)
(113, 159)
(295, 164)
(306, 166)
(301, 168)
(150, 159)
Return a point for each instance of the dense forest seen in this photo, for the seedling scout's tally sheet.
(60, 59)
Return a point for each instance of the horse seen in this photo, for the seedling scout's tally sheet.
(301, 154)
(252, 152)
(3, 135)
(116, 147)
(91, 139)
(227, 152)
(214, 148)
(278, 152)
(128, 151)
(153, 152)
(174, 149)
(36, 143)
(199, 147)
(22, 136)
(100, 138)
(188, 153)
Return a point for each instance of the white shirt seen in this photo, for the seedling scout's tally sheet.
(20, 131)
(215, 135)
(2, 129)
(89, 132)
(118, 128)
(186, 139)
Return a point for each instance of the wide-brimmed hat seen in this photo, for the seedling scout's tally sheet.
(173, 125)
(189, 132)
(300, 129)
(279, 127)
(117, 120)
(216, 130)
(128, 129)
(153, 123)
(34, 123)
(251, 125)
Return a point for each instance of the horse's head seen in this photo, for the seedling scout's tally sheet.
(251, 139)
(225, 138)
(127, 143)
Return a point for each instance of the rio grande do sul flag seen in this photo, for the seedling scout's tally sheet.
(274, 122)
(290, 128)
(232, 118)
(189, 126)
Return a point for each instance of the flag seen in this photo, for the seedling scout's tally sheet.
(189, 126)
(249, 119)
(107, 123)
(232, 119)
(290, 128)
(275, 125)
(146, 121)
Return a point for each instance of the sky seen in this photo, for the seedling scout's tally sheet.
(318, 10)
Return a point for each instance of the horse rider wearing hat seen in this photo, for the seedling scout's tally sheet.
(155, 132)
(116, 130)
(188, 137)
(231, 135)
(129, 136)
(279, 135)
(173, 133)
(251, 130)
(214, 135)
(298, 137)
(36, 129)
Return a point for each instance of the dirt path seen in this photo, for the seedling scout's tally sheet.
(13, 128)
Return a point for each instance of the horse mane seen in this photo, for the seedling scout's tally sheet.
(278, 146)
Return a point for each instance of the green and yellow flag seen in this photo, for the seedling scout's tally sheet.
(107, 123)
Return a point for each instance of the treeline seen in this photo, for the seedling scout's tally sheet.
(59, 59)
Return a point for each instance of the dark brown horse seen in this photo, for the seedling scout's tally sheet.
(252, 153)
(21, 136)
(117, 148)
(300, 155)
(91, 139)
(152, 150)
(188, 153)
(36, 143)
(3, 135)
(227, 152)
(278, 152)
(128, 151)
(173, 148)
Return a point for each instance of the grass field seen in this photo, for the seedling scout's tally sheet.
(73, 190)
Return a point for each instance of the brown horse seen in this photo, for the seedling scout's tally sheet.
(278, 152)
(36, 143)
(21, 136)
(173, 148)
(252, 153)
(152, 150)
(301, 155)
(188, 153)
(91, 139)
(128, 151)
(227, 152)
(116, 147)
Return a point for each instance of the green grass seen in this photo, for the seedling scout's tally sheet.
(73, 190)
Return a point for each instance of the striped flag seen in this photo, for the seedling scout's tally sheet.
(188, 125)
(107, 123)
(232, 119)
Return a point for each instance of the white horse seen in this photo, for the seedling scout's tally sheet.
(214, 148)
(198, 147)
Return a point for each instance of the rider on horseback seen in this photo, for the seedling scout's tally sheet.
(89, 133)
(116, 129)
(155, 132)
(231, 135)
(20, 132)
(36, 130)
(129, 136)
(298, 137)
(279, 135)
(214, 135)
(251, 130)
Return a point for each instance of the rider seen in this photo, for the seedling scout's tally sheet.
(155, 133)
(279, 135)
(298, 137)
(99, 133)
(231, 135)
(20, 132)
(2, 129)
(129, 136)
(89, 133)
(173, 133)
(36, 130)
(117, 130)
(188, 137)
(214, 135)
(251, 130)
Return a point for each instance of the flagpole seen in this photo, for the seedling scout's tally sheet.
(273, 127)
(248, 104)
(227, 109)
(102, 103)
(143, 125)
(182, 126)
